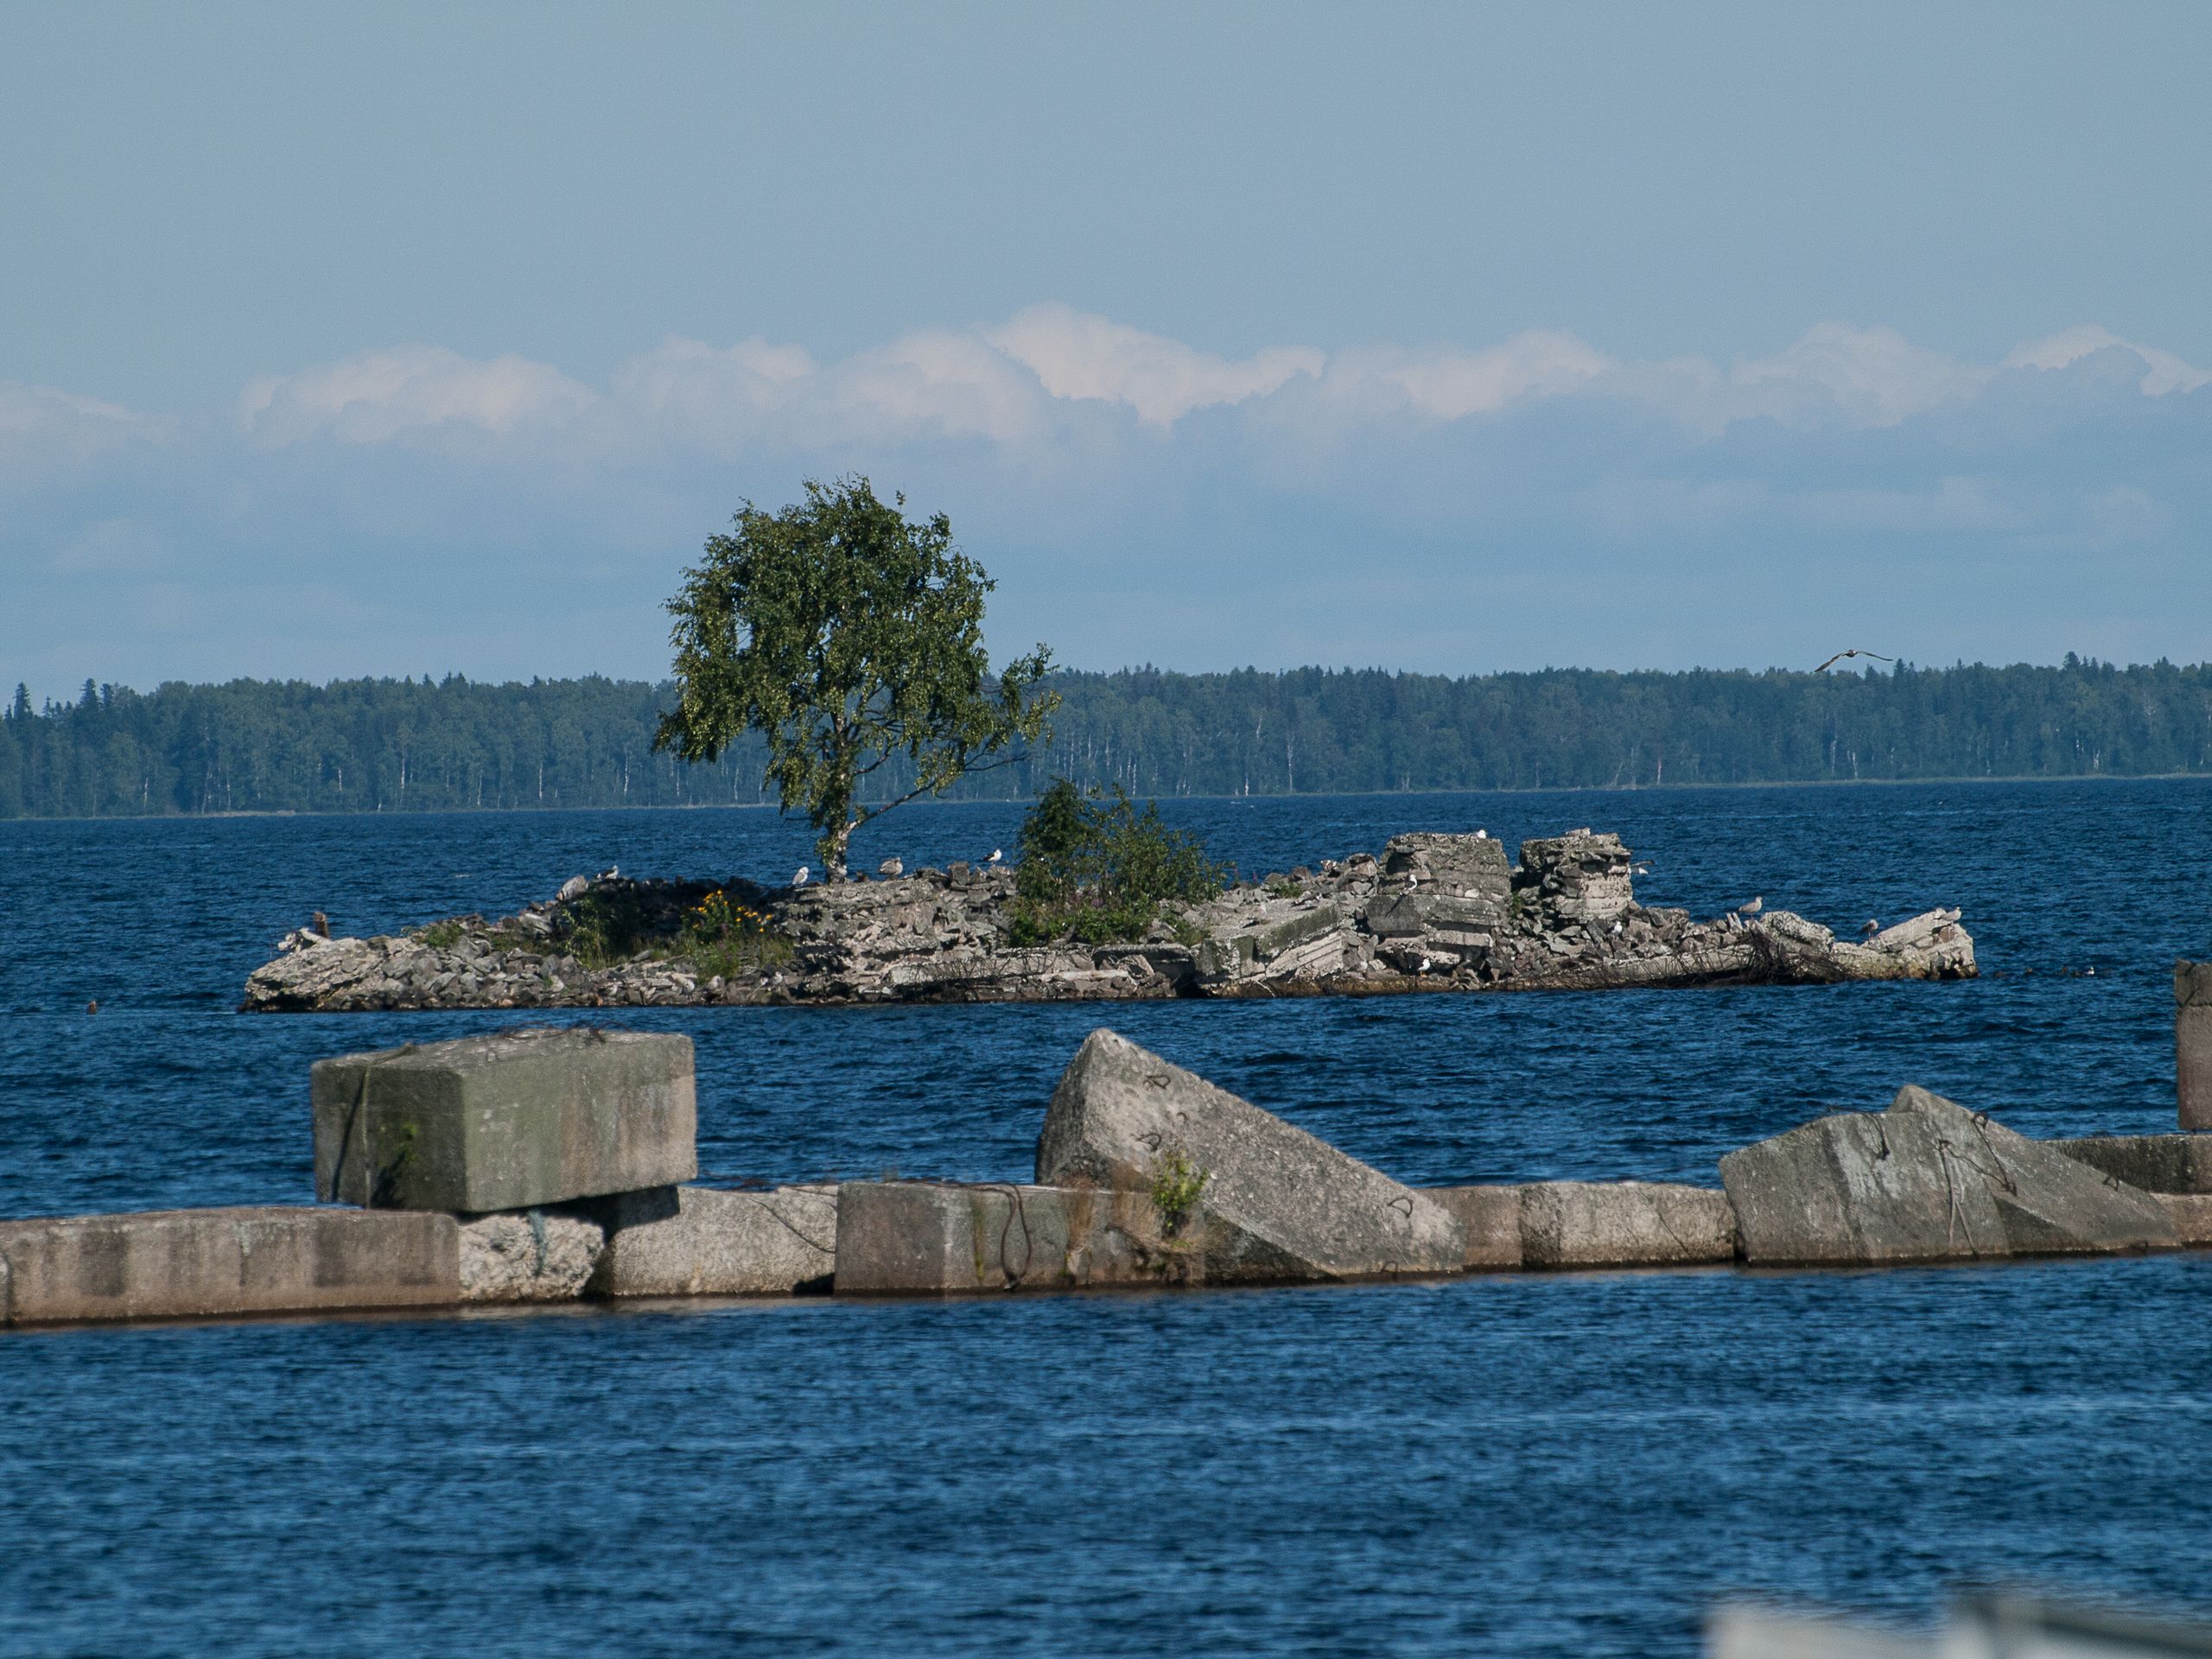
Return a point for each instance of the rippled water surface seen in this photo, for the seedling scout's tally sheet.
(1500, 1465)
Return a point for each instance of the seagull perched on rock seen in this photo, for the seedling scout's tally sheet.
(1872, 928)
(891, 866)
(995, 856)
(610, 873)
(1840, 655)
(1482, 834)
(803, 877)
(1756, 905)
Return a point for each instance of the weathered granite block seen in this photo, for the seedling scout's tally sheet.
(2193, 1043)
(1491, 1215)
(532, 1257)
(917, 1238)
(1625, 1224)
(701, 1240)
(1275, 1201)
(1926, 1181)
(507, 1120)
(173, 1263)
(2157, 1163)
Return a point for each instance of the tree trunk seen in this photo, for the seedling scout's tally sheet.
(833, 852)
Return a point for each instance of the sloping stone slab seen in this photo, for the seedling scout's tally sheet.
(700, 1241)
(1625, 1224)
(1926, 1181)
(176, 1263)
(1277, 1203)
(511, 1119)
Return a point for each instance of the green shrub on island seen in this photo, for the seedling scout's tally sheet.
(719, 936)
(1098, 870)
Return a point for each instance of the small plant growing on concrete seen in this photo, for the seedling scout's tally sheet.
(1177, 1184)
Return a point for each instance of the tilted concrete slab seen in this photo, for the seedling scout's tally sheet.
(1926, 1180)
(505, 1121)
(1276, 1203)
(700, 1241)
(1625, 1224)
(179, 1264)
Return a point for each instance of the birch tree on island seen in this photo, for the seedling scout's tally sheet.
(847, 635)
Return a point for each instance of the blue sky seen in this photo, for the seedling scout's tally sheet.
(399, 339)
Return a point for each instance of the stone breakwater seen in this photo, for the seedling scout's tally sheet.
(1432, 911)
(547, 1166)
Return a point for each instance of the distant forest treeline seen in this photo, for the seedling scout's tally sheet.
(358, 745)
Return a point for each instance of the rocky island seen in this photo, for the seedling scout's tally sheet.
(1433, 912)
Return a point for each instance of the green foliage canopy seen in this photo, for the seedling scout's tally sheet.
(846, 635)
(1097, 869)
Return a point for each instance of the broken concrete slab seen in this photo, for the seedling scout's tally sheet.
(2191, 1215)
(701, 1240)
(507, 1120)
(1926, 1181)
(2181, 1162)
(1270, 1200)
(536, 1256)
(1625, 1224)
(180, 1263)
(1491, 1215)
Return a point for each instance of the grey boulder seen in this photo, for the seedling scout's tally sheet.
(1927, 1180)
(1271, 1201)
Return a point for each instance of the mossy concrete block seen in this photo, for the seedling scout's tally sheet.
(1491, 1215)
(1276, 1203)
(507, 1120)
(1625, 1224)
(179, 1264)
(699, 1241)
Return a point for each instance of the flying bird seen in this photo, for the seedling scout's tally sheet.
(1840, 655)
(801, 877)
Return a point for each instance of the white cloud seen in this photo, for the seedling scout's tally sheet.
(43, 430)
(2162, 372)
(1076, 355)
(405, 390)
(1872, 376)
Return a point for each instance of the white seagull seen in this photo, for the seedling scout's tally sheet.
(1872, 928)
(995, 856)
(1757, 904)
(891, 866)
(801, 878)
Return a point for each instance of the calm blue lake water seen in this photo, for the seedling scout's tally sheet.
(1502, 1465)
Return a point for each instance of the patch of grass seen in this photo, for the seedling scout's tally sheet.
(1288, 887)
(606, 926)
(1177, 1184)
(725, 939)
(441, 936)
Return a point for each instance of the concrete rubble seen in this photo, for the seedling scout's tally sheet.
(1432, 911)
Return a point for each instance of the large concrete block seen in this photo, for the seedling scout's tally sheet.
(1625, 1224)
(2157, 1163)
(1275, 1202)
(1926, 1181)
(2193, 1043)
(699, 1241)
(2191, 1215)
(510, 1120)
(175, 1263)
(1491, 1215)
